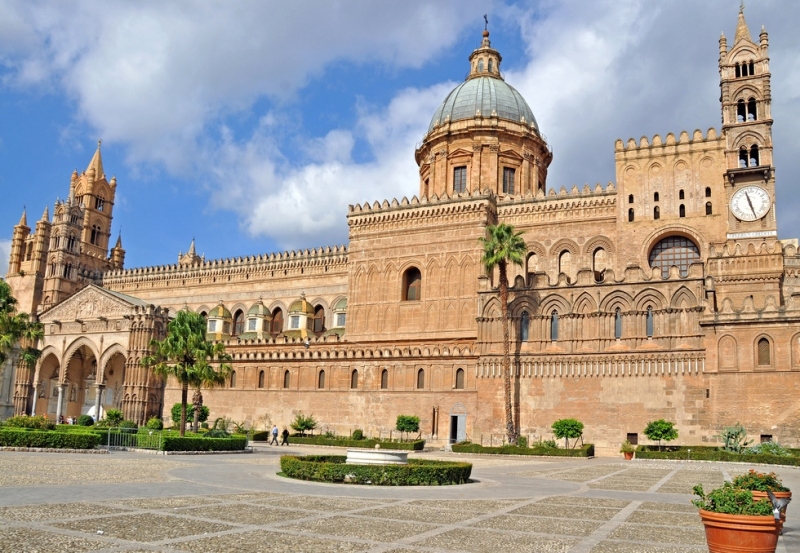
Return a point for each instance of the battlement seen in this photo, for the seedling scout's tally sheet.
(647, 146)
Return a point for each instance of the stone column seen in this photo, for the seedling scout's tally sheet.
(99, 388)
(60, 401)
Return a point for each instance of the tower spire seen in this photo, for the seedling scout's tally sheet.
(46, 214)
(23, 221)
(742, 31)
(97, 163)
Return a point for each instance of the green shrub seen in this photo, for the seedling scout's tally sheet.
(418, 472)
(197, 443)
(38, 422)
(262, 436)
(303, 424)
(11, 437)
(707, 453)
(175, 413)
(660, 430)
(114, 417)
(734, 438)
(85, 420)
(407, 424)
(587, 450)
(416, 445)
(568, 429)
(128, 424)
(759, 481)
(522, 441)
(771, 448)
(154, 423)
(549, 444)
(358, 434)
(731, 500)
(216, 433)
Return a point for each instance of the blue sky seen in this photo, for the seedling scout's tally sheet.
(252, 125)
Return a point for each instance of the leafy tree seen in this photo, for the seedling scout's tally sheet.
(207, 377)
(114, 417)
(154, 423)
(501, 246)
(17, 328)
(186, 354)
(175, 413)
(302, 424)
(661, 430)
(407, 424)
(569, 429)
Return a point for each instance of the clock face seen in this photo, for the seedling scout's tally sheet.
(750, 203)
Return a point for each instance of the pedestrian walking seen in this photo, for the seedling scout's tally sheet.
(285, 436)
(274, 435)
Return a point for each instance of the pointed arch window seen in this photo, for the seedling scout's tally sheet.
(682, 211)
(764, 357)
(261, 379)
(99, 203)
(599, 264)
(554, 326)
(649, 322)
(233, 379)
(524, 325)
(319, 319)
(287, 378)
(618, 323)
(321, 380)
(738, 71)
(29, 252)
(384, 379)
(754, 159)
(751, 110)
(656, 213)
(741, 111)
(565, 263)
(743, 157)
(421, 379)
(412, 284)
(238, 322)
(751, 68)
(460, 379)
(276, 327)
(709, 208)
(354, 380)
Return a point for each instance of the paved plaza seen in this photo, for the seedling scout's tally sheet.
(130, 502)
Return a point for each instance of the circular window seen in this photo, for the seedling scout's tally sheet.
(675, 250)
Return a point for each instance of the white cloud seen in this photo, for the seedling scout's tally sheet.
(5, 254)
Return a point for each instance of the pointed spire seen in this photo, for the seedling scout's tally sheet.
(46, 215)
(192, 251)
(23, 221)
(97, 163)
(118, 245)
(741, 27)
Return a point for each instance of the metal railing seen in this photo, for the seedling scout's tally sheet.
(132, 438)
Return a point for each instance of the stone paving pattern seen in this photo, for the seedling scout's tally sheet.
(130, 502)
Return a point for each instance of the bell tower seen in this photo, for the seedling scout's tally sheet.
(747, 126)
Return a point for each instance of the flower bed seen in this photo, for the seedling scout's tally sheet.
(417, 445)
(587, 450)
(418, 472)
(707, 453)
(12, 437)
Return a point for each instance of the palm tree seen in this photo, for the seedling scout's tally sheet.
(186, 354)
(501, 246)
(206, 377)
(17, 328)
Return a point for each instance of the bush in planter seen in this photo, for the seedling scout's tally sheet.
(731, 500)
(626, 447)
(759, 481)
(39, 422)
(85, 420)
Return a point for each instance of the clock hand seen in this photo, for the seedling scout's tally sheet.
(750, 203)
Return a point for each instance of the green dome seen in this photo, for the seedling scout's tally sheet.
(258, 310)
(219, 312)
(301, 306)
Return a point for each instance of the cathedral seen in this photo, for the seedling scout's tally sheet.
(666, 294)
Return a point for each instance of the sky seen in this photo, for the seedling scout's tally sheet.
(250, 126)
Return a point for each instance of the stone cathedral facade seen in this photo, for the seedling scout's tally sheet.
(666, 294)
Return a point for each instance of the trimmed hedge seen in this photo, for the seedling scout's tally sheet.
(51, 439)
(706, 453)
(466, 447)
(193, 443)
(417, 445)
(418, 472)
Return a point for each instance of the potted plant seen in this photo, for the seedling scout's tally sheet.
(762, 482)
(735, 522)
(627, 449)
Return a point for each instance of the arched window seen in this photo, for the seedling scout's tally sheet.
(599, 264)
(321, 380)
(554, 326)
(681, 195)
(751, 110)
(29, 252)
(480, 65)
(203, 314)
(384, 379)
(708, 191)
(233, 379)
(565, 263)
(744, 69)
(491, 65)
(238, 322)
(649, 322)
(524, 325)
(754, 161)
(319, 319)
(99, 203)
(656, 213)
(286, 379)
(740, 111)
(630, 215)
(709, 209)
(460, 379)
(95, 237)
(277, 322)
(674, 250)
(618, 323)
(751, 68)
(261, 379)
(630, 198)
(655, 196)
(682, 210)
(71, 243)
(533, 263)
(421, 379)
(743, 157)
(764, 357)
(354, 380)
(412, 284)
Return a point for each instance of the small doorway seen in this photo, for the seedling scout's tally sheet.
(458, 424)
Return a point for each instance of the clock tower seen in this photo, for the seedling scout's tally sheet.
(747, 126)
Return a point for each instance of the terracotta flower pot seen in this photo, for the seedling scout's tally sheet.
(757, 496)
(740, 533)
(628, 455)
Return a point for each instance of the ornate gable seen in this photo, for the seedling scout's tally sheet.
(92, 302)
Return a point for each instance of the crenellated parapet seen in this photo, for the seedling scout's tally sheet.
(262, 265)
(659, 146)
(575, 204)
